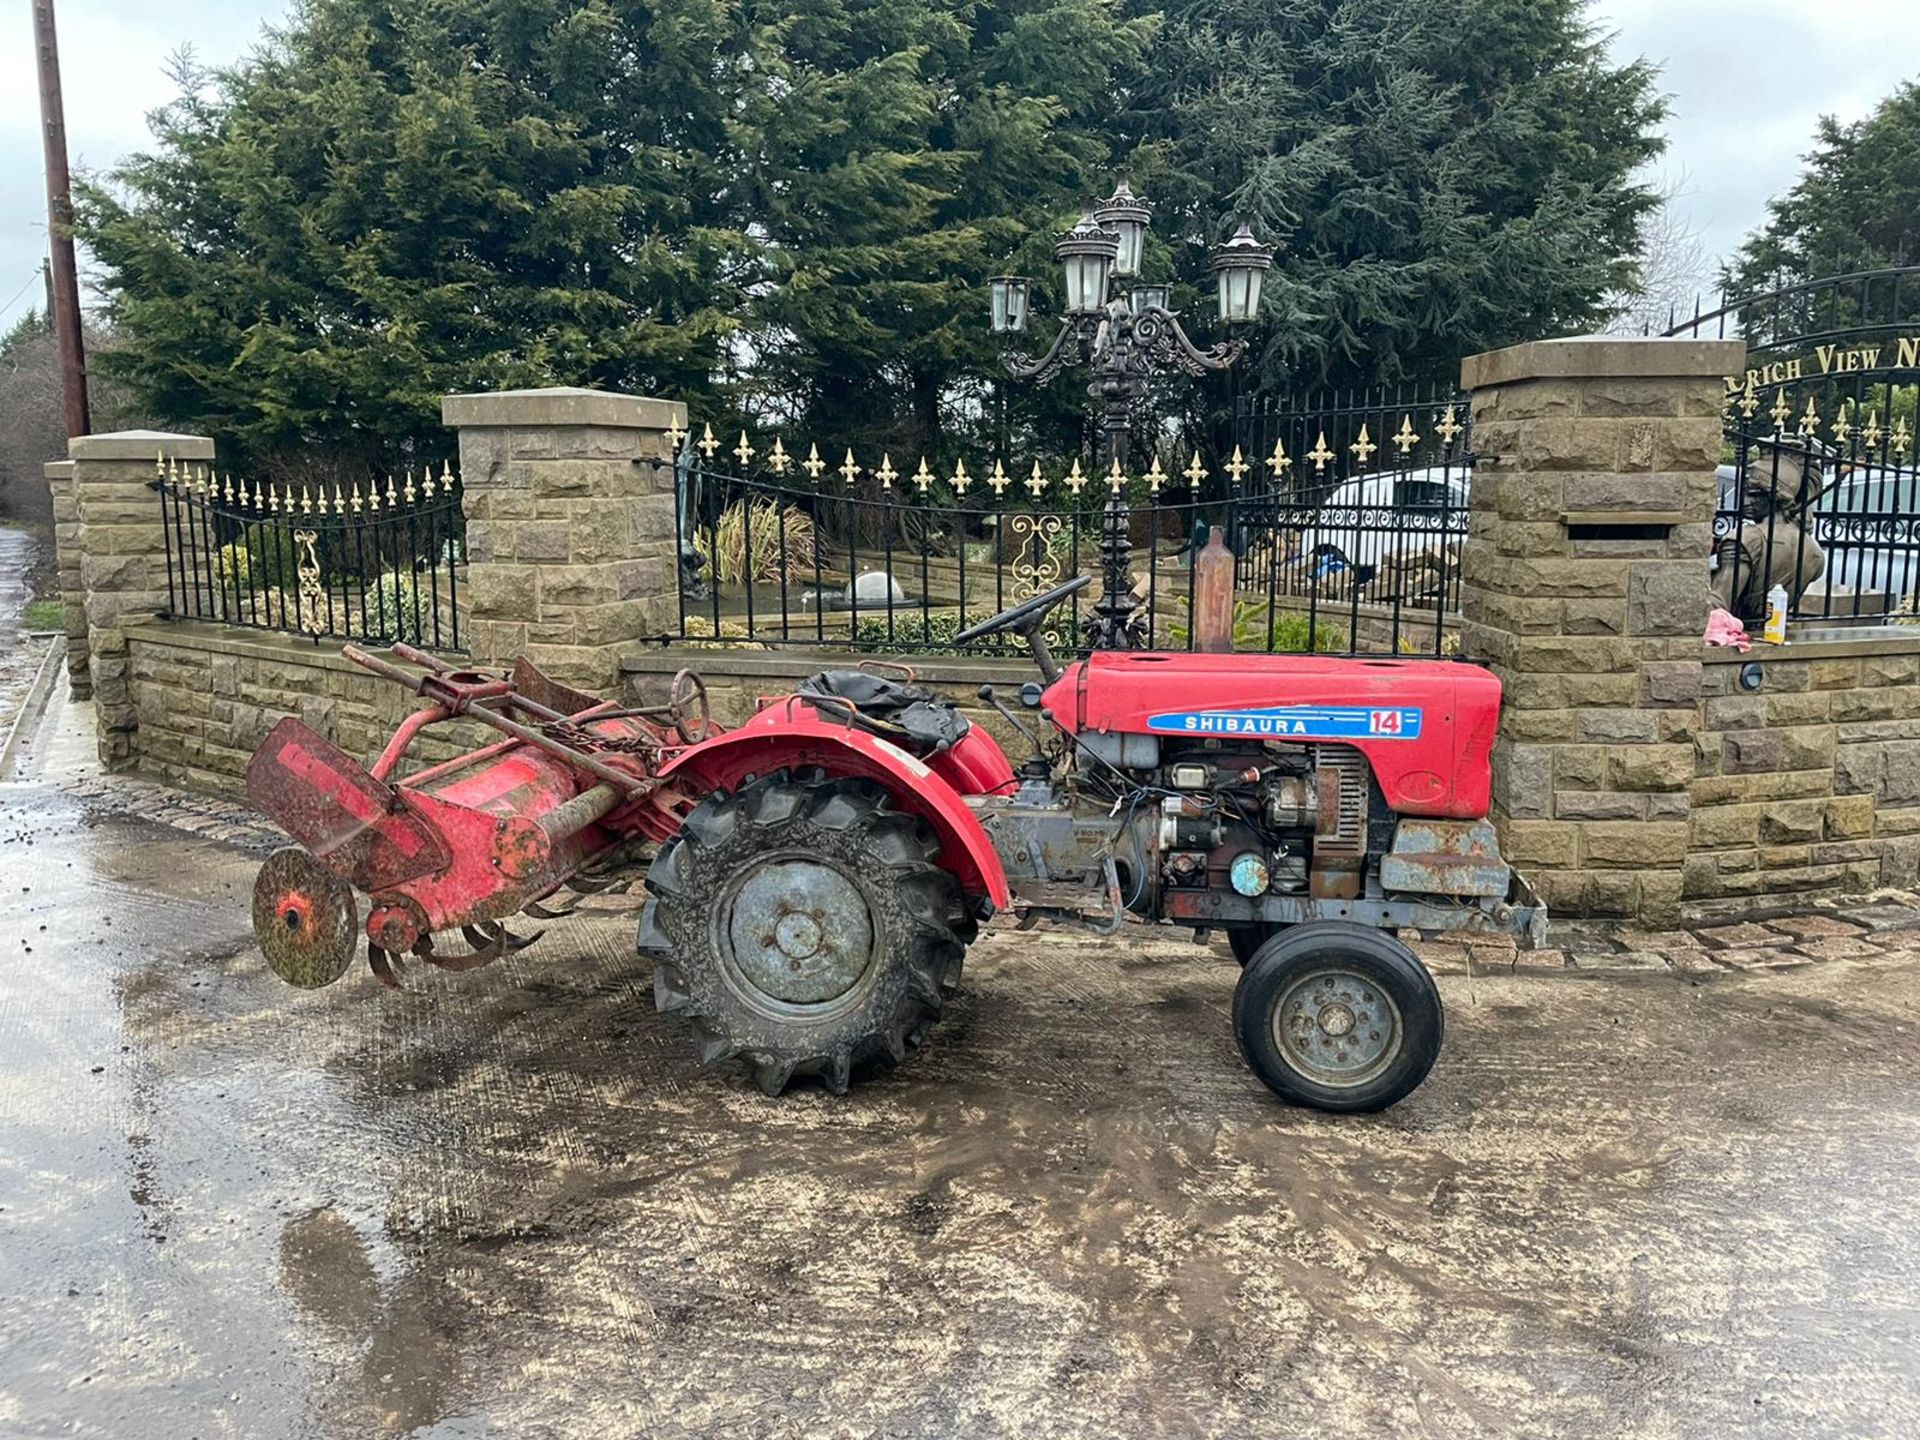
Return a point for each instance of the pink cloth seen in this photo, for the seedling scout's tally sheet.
(1723, 629)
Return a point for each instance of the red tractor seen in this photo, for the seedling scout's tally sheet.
(820, 870)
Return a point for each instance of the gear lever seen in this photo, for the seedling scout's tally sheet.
(1036, 766)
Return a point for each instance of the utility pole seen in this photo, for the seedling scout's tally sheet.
(65, 275)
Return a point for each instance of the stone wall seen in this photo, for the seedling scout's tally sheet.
(1808, 774)
(206, 696)
(1585, 589)
(66, 549)
(122, 562)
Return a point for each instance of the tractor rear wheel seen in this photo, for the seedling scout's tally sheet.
(1337, 1016)
(801, 924)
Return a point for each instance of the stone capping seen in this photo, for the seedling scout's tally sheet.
(274, 645)
(57, 470)
(560, 405)
(1876, 642)
(139, 445)
(799, 662)
(1603, 357)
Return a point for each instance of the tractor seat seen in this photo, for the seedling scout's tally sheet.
(910, 716)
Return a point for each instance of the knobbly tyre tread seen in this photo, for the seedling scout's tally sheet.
(922, 918)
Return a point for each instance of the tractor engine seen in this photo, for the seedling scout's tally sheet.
(1235, 832)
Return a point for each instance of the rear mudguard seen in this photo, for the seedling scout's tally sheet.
(791, 733)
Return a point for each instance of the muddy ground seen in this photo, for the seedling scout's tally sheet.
(510, 1204)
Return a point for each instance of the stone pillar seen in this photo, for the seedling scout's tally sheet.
(66, 549)
(123, 561)
(570, 528)
(1585, 588)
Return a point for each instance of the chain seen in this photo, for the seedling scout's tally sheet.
(567, 733)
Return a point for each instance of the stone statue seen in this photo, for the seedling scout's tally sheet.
(1774, 544)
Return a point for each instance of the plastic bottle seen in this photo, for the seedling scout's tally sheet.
(1775, 632)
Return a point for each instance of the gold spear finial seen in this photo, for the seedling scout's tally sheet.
(849, 467)
(1320, 454)
(923, 477)
(743, 452)
(1364, 447)
(1236, 467)
(1404, 437)
(706, 443)
(1036, 482)
(813, 464)
(1279, 461)
(778, 460)
(1781, 412)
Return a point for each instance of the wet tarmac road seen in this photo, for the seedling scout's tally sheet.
(509, 1204)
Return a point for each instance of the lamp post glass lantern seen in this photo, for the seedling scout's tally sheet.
(1010, 295)
(1126, 215)
(1086, 254)
(1143, 298)
(1125, 340)
(1241, 265)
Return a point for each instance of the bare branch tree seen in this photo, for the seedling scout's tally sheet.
(32, 427)
(1673, 271)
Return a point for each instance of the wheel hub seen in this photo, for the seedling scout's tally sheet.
(800, 931)
(1337, 1020)
(1337, 1027)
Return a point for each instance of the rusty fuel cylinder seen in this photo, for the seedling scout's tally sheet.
(1213, 595)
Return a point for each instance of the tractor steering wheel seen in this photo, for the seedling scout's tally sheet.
(1016, 618)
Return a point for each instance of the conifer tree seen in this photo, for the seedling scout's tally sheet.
(1439, 176)
(1856, 206)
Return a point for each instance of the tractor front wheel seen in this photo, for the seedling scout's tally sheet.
(801, 924)
(1337, 1016)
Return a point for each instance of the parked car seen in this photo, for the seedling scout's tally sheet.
(1392, 519)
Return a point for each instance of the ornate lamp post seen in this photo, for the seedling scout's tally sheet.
(1125, 341)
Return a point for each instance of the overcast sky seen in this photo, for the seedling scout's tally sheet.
(1747, 79)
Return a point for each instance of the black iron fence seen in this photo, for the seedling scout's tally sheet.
(1337, 434)
(1819, 497)
(376, 561)
(1358, 555)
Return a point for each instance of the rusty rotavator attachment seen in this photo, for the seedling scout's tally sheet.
(462, 845)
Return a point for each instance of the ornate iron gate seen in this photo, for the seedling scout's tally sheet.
(1344, 542)
(1818, 488)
